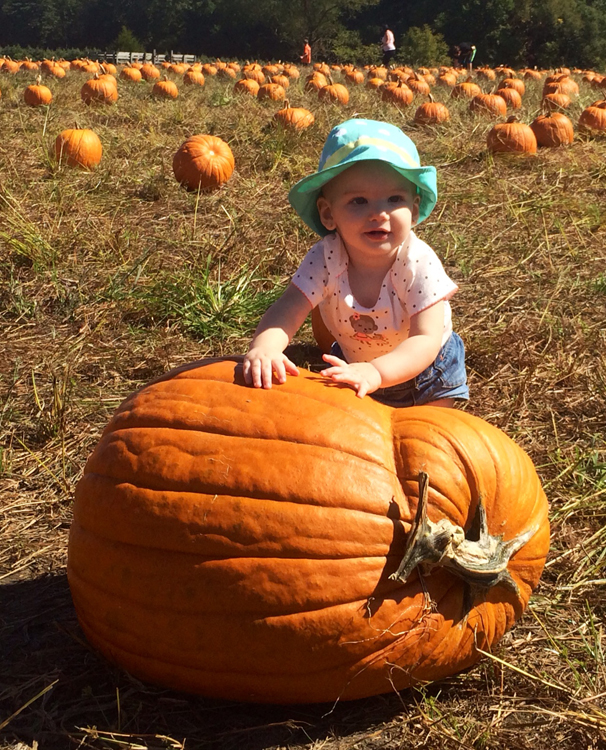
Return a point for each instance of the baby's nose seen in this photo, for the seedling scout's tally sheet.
(380, 210)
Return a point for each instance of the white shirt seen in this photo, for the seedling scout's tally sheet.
(389, 42)
(415, 281)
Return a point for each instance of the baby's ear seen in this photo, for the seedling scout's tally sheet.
(325, 211)
(415, 209)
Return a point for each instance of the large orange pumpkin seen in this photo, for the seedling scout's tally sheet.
(245, 543)
(203, 162)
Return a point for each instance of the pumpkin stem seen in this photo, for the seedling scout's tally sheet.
(475, 556)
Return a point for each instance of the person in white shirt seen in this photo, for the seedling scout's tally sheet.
(388, 45)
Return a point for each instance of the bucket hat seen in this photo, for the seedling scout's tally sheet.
(362, 140)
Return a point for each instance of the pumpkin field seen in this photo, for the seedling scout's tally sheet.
(120, 259)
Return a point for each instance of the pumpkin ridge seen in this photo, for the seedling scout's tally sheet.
(281, 391)
(252, 496)
(156, 607)
(233, 556)
(171, 662)
(121, 438)
(278, 439)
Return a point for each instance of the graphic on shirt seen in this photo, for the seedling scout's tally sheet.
(365, 327)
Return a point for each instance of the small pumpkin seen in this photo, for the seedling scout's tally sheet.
(30, 65)
(193, 78)
(418, 85)
(99, 90)
(245, 544)
(150, 72)
(271, 91)
(294, 118)
(533, 75)
(398, 94)
(334, 92)
(203, 162)
(431, 113)
(593, 119)
(322, 68)
(165, 89)
(255, 75)
(315, 82)
(513, 83)
(491, 104)
(511, 137)
(563, 85)
(449, 80)
(78, 147)
(227, 72)
(552, 130)
(487, 73)
(555, 102)
(380, 72)
(246, 86)
(37, 95)
(130, 74)
(11, 66)
(465, 90)
(355, 76)
(281, 80)
(512, 98)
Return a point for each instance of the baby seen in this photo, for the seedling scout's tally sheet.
(373, 285)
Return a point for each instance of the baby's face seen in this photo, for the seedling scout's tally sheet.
(372, 207)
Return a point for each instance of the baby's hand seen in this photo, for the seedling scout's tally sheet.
(361, 376)
(260, 364)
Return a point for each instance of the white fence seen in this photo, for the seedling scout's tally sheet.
(124, 58)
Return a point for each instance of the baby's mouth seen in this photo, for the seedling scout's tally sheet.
(377, 234)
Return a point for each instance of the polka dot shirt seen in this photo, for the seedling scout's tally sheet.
(415, 281)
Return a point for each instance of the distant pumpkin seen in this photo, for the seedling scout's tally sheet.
(272, 91)
(431, 113)
(334, 92)
(78, 148)
(99, 90)
(294, 118)
(130, 74)
(552, 130)
(37, 95)
(203, 162)
(512, 137)
(165, 89)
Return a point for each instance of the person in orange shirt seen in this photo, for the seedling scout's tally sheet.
(306, 56)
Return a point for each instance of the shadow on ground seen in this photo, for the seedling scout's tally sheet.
(41, 645)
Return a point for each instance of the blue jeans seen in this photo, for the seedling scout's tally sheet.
(445, 377)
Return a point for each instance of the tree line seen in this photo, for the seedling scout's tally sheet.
(542, 33)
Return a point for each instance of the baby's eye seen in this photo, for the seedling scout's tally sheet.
(358, 201)
(396, 199)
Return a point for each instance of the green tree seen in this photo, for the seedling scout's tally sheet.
(347, 47)
(126, 41)
(421, 46)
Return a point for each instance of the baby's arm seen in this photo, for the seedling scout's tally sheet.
(406, 361)
(274, 332)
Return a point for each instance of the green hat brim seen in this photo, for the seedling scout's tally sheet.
(303, 196)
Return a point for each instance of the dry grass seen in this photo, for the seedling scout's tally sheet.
(112, 277)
